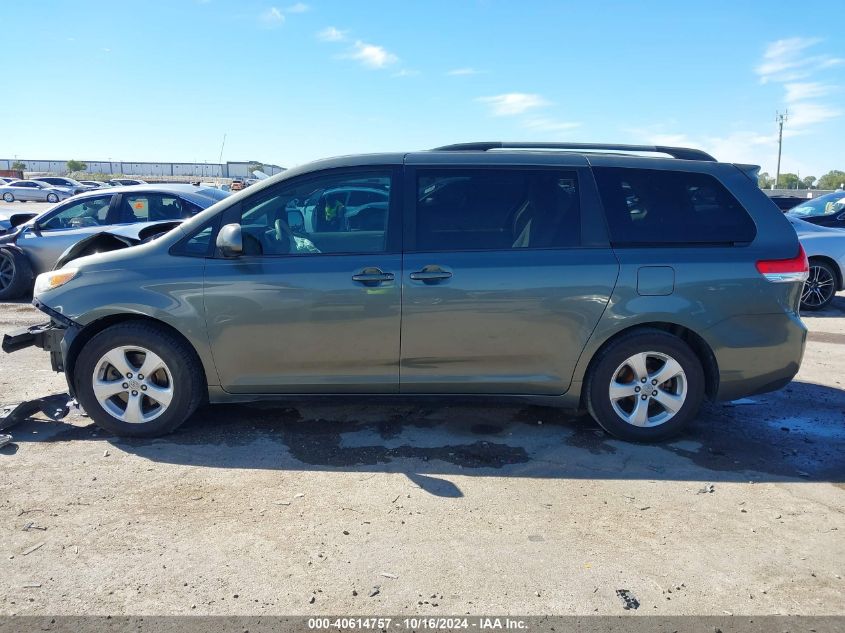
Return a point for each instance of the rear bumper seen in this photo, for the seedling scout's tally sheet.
(757, 353)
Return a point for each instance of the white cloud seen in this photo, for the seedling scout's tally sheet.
(787, 60)
(372, 55)
(805, 114)
(513, 103)
(462, 72)
(331, 34)
(800, 91)
(543, 124)
(406, 72)
(299, 7)
(272, 17)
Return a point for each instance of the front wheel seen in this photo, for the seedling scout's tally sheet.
(820, 287)
(645, 386)
(52, 198)
(8, 197)
(138, 380)
(15, 274)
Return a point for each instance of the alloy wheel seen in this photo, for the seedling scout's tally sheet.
(819, 287)
(648, 389)
(7, 270)
(133, 384)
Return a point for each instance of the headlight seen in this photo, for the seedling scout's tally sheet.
(54, 279)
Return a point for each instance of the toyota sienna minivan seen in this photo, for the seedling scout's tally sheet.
(630, 281)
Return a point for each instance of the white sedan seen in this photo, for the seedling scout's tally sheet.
(825, 248)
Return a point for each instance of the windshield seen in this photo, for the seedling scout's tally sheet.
(823, 205)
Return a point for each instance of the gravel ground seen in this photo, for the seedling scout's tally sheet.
(426, 509)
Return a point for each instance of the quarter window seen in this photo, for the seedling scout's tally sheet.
(658, 207)
(496, 209)
(339, 213)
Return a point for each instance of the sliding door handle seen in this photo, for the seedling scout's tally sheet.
(372, 276)
(431, 274)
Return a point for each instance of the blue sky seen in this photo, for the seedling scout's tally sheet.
(289, 82)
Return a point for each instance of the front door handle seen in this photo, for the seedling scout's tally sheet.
(431, 274)
(372, 276)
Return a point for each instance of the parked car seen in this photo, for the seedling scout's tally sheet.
(68, 183)
(826, 210)
(126, 182)
(32, 190)
(237, 184)
(97, 184)
(4, 180)
(825, 248)
(34, 246)
(628, 285)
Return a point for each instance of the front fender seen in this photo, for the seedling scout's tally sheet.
(161, 288)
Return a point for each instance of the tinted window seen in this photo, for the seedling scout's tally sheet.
(152, 207)
(654, 207)
(308, 217)
(496, 209)
(87, 212)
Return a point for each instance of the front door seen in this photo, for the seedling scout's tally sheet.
(313, 304)
(65, 226)
(500, 290)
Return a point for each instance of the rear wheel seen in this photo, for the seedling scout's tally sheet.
(15, 274)
(8, 197)
(52, 198)
(820, 287)
(139, 380)
(645, 386)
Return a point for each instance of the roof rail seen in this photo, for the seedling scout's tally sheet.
(683, 153)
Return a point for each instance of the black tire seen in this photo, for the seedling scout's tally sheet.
(188, 377)
(16, 277)
(614, 355)
(52, 198)
(9, 196)
(821, 286)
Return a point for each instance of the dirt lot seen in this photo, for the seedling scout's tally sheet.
(443, 509)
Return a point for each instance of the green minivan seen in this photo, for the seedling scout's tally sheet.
(630, 281)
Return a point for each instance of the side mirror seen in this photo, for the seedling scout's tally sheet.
(229, 241)
(296, 221)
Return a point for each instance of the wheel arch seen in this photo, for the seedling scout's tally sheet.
(699, 346)
(840, 278)
(91, 330)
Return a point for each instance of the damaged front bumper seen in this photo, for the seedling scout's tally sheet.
(53, 336)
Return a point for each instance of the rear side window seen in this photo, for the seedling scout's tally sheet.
(496, 209)
(656, 207)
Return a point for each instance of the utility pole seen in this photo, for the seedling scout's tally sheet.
(781, 119)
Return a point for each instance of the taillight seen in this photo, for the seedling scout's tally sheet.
(786, 270)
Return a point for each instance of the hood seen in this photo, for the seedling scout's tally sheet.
(115, 239)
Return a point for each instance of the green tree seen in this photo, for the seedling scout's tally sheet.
(831, 180)
(21, 166)
(787, 181)
(255, 167)
(76, 165)
(808, 181)
(764, 181)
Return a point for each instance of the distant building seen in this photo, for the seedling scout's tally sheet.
(230, 169)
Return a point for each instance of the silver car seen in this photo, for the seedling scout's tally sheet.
(34, 246)
(31, 190)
